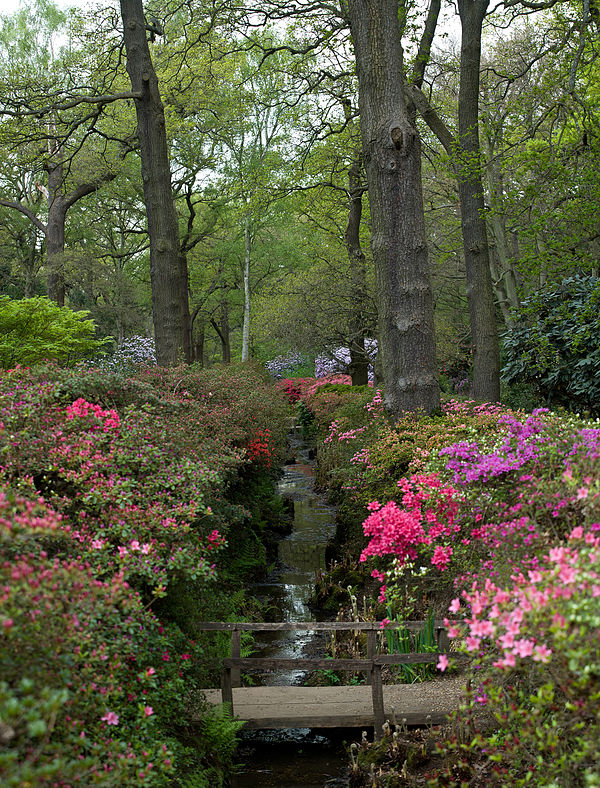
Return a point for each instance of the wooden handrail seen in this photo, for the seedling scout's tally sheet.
(312, 626)
(325, 663)
(230, 676)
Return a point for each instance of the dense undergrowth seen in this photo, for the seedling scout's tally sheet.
(121, 523)
(490, 517)
(132, 506)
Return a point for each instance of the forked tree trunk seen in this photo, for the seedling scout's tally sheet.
(223, 332)
(392, 156)
(59, 204)
(168, 290)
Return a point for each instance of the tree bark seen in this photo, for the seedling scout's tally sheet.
(359, 359)
(392, 156)
(225, 343)
(188, 351)
(480, 294)
(223, 332)
(246, 323)
(55, 235)
(503, 274)
(169, 292)
(199, 345)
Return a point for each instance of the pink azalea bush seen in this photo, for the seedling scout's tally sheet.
(113, 507)
(426, 515)
(536, 645)
(519, 531)
(74, 649)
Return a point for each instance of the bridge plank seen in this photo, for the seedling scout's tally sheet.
(344, 707)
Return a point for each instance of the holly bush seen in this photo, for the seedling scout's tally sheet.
(554, 344)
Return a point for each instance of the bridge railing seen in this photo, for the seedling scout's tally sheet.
(371, 665)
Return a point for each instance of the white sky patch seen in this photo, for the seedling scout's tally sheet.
(10, 6)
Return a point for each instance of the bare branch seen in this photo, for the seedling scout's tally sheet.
(26, 212)
(431, 118)
(424, 52)
(529, 4)
(75, 102)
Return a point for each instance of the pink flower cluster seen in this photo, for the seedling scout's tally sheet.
(349, 435)
(500, 617)
(375, 407)
(427, 513)
(81, 408)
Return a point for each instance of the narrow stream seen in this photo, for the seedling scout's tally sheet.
(294, 758)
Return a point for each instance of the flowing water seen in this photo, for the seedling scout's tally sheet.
(298, 758)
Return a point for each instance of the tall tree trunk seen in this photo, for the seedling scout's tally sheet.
(165, 273)
(55, 233)
(480, 294)
(225, 343)
(199, 344)
(30, 269)
(392, 156)
(359, 360)
(246, 323)
(503, 274)
(184, 301)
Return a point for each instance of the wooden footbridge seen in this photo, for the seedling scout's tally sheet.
(424, 703)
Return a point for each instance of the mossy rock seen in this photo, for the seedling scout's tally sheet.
(376, 753)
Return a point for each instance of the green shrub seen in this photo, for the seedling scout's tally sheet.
(554, 345)
(33, 330)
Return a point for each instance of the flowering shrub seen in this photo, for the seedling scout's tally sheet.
(286, 365)
(338, 360)
(134, 476)
(537, 645)
(81, 668)
(295, 388)
(368, 454)
(259, 448)
(306, 389)
(428, 513)
(501, 510)
(132, 353)
(81, 409)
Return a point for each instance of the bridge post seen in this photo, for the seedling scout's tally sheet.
(371, 649)
(226, 689)
(236, 644)
(441, 636)
(377, 692)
